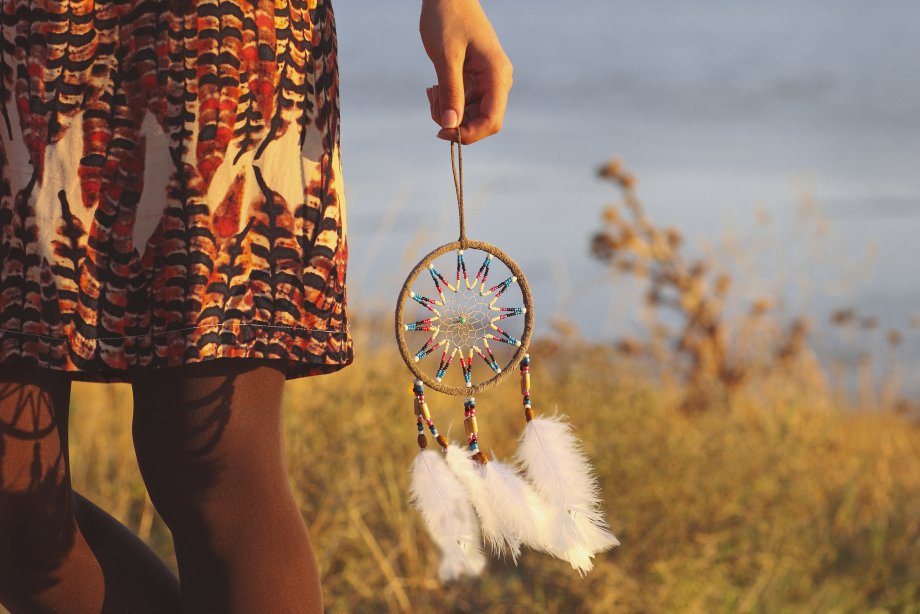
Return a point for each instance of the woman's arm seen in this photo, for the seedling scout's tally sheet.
(474, 74)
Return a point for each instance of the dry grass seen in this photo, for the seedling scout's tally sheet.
(782, 503)
(770, 498)
(712, 321)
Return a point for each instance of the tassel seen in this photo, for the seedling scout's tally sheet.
(554, 462)
(440, 499)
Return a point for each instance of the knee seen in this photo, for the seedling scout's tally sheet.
(174, 489)
(194, 495)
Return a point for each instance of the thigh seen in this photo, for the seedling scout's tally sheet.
(36, 501)
(209, 429)
(34, 407)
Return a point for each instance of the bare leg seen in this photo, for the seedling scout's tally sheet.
(209, 441)
(48, 563)
(45, 563)
(136, 579)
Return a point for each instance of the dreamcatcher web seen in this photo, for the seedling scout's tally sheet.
(467, 318)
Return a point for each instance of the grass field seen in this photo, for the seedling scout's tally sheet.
(777, 501)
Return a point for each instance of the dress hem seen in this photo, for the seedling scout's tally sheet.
(290, 344)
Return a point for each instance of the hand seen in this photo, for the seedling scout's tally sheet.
(474, 74)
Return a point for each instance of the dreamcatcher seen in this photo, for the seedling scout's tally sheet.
(468, 333)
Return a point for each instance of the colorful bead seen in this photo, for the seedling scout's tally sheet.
(421, 324)
(426, 350)
(492, 364)
(426, 302)
(525, 387)
(439, 277)
(516, 312)
(470, 424)
(442, 369)
(525, 383)
(505, 337)
(501, 288)
(483, 272)
(422, 415)
(467, 366)
(461, 268)
(437, 285)
(461, 264)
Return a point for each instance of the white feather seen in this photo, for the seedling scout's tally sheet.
(521, 511)
(555, 464)
(491, 517)
(448, 515)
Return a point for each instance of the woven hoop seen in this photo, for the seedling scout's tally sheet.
(525, 336)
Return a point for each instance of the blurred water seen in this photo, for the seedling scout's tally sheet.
(723, 108)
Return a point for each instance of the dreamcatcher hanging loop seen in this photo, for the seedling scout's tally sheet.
(456, 166)
(473, 316)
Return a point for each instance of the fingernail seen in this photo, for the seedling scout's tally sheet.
(449, 119)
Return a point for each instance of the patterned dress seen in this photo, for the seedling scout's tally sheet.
(171, 187)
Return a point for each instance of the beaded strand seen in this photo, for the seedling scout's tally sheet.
(525, 387)
(461, 267)
(445, 362)
(423, 416)
(440, 278)
(502, 287)
(469, 423)
(472, 431)
(483, 273)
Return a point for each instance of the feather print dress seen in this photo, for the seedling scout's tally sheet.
(170, 185)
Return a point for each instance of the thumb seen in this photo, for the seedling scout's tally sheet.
(450, 89)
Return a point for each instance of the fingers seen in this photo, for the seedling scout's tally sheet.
(482, 119)
(434, 104)
(483, 105)
(470, 114)
(483, 115)
(450, 89)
